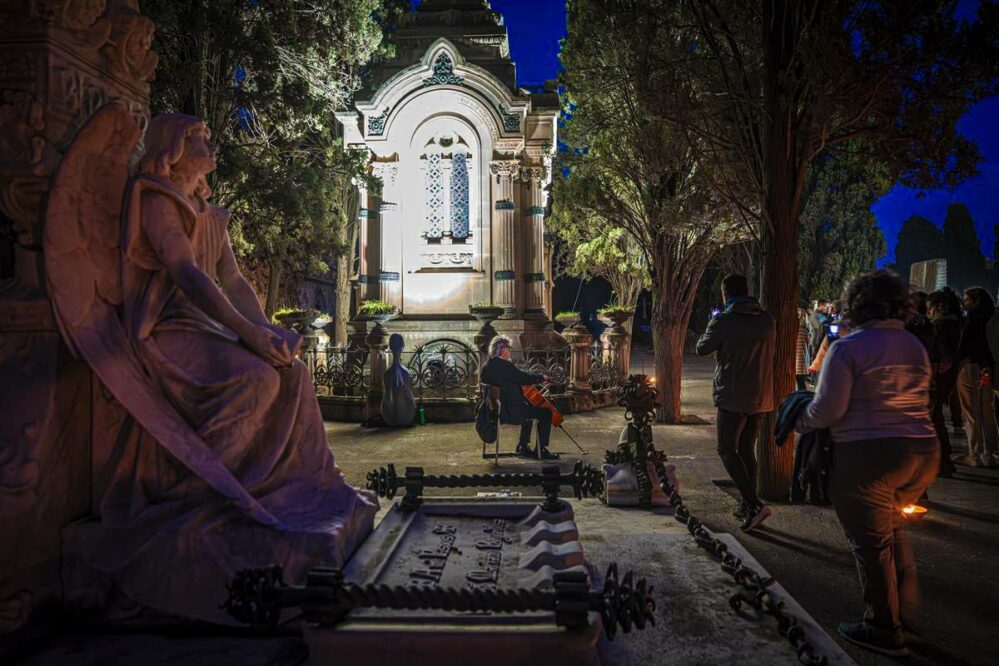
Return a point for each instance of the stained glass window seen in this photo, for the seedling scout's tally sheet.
(459, 196)
(435, 197)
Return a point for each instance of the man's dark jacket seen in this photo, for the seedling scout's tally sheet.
(744, 336)
(810, 476)
(503, 374)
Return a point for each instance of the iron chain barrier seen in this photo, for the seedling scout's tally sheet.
(257, 596)
(638, 397)
(585, 481)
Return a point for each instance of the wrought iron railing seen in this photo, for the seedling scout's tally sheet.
(448, 369)
(603, 366)
(338, 371)
(551, 361)
(443, 369)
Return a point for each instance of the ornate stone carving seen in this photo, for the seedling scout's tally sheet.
(533, 173)
(447, 259)
(443, 73)
(509, 168)
(386, 171)
(82, 18)
(129, 48)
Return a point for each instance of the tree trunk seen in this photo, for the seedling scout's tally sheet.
(783, 174)
(342, 286)
(273, 289)
(667, 346)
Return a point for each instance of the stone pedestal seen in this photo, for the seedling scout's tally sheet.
(579, 340)
(62, 60)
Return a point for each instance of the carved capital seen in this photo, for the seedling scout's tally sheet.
(534, 173)
(508, 168)
(386, 171)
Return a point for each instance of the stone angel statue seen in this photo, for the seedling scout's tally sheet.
(222, 463)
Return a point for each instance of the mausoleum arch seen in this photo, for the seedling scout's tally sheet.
(442, 67)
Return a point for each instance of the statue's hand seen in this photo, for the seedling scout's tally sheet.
(269, 345)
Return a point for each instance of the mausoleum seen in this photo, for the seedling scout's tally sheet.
(464, 157)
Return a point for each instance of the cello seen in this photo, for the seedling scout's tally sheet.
(534, 396)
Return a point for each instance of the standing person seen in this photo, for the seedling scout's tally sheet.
(974, 380)
(801, 349)
(499, 371)
(743, 337)
(817, 326)
(873, 395)
(944, 313)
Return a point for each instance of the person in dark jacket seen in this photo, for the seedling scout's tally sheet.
(943, 310)
(873, 395)
(743, 338)
(974, 380)
(500, 372)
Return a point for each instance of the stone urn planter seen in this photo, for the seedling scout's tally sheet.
(300, 321)
(568, 319)
(618, 317)
(485, 314)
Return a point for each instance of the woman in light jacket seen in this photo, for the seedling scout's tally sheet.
(874, 396)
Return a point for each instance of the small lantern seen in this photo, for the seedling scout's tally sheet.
(914, 511)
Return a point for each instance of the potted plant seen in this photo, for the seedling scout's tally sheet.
(567, 319)
(380, 311)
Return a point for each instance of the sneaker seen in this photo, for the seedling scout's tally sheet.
(872, 638)
(549, 455)
(525, 450)
(741, 512)
(755, 519)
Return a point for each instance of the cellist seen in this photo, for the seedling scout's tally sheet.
(500, 372)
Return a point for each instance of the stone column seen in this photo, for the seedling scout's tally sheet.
(363, 219)
(504, 235)
(390, 246)
(377, 342)
(534, 212)
(579, 340)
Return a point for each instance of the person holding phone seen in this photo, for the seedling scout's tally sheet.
(742, 338)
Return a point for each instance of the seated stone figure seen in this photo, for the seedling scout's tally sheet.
(398, 404)
(222, 462)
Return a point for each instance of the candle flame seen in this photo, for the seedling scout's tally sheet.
(913, 510)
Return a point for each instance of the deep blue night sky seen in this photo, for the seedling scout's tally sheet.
(536, 26)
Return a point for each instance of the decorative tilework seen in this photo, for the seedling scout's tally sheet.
(363, 213)
(376, 124)
(385, 276)
(505, 204)
(534, 277)
(504, 276)
(459, 196)
(435, 196)
(535, 210)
